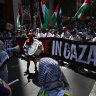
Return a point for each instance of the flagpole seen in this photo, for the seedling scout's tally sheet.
(31, 10)
(51, 12)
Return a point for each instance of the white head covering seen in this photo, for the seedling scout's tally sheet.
(3, 57)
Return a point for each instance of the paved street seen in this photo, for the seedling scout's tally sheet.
(81, 84)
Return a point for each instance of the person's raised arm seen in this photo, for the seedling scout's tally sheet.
(7, 86)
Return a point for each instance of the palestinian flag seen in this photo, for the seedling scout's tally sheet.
(57, 14)
(85, 5)
(44, 14)
(19, 17)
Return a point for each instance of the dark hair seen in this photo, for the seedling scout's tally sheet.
(74, 30)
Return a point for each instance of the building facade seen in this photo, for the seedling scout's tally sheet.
(2, 14)
(9, 10)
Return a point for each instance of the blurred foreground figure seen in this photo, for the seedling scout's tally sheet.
(51, 79)
(4, 59)
(5, 90)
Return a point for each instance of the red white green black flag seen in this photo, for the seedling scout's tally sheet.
(19, 17)
(44, 14)
(85, 5)
(57, 14)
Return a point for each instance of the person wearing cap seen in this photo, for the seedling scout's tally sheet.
(74, 36)
(51, 79)
(26, 47)
(80, 35)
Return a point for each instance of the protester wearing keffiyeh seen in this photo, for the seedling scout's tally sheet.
(2, 47)
(51, 78)
(3, 62)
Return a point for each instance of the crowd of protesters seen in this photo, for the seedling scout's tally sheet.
(71, 30)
